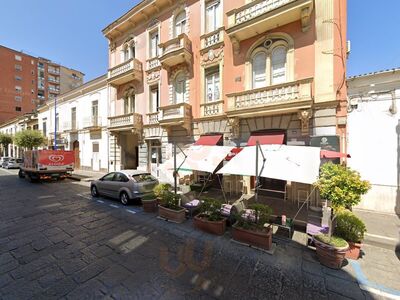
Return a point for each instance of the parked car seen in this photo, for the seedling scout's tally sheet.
(4, 159)
(125, 185)
(13, 163)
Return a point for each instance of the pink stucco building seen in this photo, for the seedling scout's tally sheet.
(182, 69)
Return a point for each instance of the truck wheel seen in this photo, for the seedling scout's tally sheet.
(124, 198)
(21, 174)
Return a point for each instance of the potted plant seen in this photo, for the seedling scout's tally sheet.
(343, 187)
(161, 188)
(252, 226)
(210, 219)
(352, 229)
(170, 209)
(331, 250)
(149, 202)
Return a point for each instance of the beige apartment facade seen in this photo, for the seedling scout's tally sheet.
(179, 70)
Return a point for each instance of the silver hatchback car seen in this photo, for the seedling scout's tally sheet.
(124, 185)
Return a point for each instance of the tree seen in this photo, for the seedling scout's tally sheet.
(342, 186)
(5, 140)
(29, 139)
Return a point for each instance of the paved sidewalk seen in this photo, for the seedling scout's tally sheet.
(83, 175)
(383, 230)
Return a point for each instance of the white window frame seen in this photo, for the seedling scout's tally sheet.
(180, 80)
(277, 78)
(213, 76)
(216, 11)
(154, 101)
(254, 84)
(180, 23)
(153, 48)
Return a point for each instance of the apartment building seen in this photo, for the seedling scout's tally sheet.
(267, 70)
(27, 81)
(77, 121)
(374, 129)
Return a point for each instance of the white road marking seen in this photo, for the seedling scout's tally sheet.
(113, 205)
(46, 197)
(100, 201)
(83, 196)
(381, 237)
(50, 205)
(378, 292)
(131, 211)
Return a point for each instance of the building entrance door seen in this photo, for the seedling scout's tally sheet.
(75, 147)
(155, 158)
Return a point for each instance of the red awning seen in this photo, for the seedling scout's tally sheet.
(208, 140)
(333, 154)
(266, 139)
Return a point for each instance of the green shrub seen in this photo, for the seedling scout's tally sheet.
(160, 189)
(211, 208)
(350, 227)
(334, 241)
(150, 196)
(170, 200)
(262, 214)
(341, 185)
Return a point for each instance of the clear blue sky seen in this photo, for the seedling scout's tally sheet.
(69, 32)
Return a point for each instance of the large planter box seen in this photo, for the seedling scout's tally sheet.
(150, 206)
(329, 256)
(260, 239)
(213, 227)
(354, 251)
(177, 216)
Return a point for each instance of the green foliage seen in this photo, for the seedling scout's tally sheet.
(5, 140)
(333, 241)
(160, 189)
(262, 214)
(29, 139)
(341, 185)
(170, 200)
(349, 227)
(211, 209)
(148, 197)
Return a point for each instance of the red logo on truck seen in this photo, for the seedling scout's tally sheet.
(56, 157)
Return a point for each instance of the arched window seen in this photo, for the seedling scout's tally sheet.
(259, 67)
(180, 23)
(126, 53)
(180, 88)
(129, 101)
(278, 65)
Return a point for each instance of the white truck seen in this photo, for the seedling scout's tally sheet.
(47, 164)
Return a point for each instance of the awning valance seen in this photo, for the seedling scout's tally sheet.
(333, 154)
(209, 140)
(291, 163)
(266, 139)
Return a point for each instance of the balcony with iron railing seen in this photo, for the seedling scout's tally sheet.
(152, 118)
(70, 126)
(212, 39)
(176, 51)
(153, 63)
(129, 70)
(210, 109)
(281, 98)
(259, 16)
(125, 122)
(179, 114)
(53, 71)
(92, 122)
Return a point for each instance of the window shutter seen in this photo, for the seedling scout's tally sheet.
(278, 65)
(259, 66)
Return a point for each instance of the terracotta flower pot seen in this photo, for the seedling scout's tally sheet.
(150, 205)
(330, 256)
(261, 239)
(214, 227)
(354, 251)
(177, 216)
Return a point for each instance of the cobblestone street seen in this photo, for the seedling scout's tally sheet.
(56, 242)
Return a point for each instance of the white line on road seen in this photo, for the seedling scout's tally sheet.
(46, 197)
(381, 237)
(113, 205)
(100, 201)
(83, 196)
(131, 211)
(50, 205)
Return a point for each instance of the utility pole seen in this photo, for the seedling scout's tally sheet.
(55, 123)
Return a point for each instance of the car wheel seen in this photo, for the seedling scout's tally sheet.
(21, 174)
(93, 191)
(124, 198)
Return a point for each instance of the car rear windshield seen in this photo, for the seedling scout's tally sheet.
(143, 177)
(19, 160)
